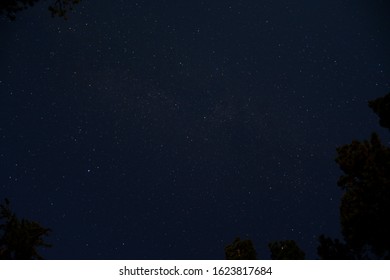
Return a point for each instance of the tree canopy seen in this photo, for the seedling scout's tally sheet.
(240, 250)
(286, 250)
(20, 238)
(58, 8)
(364, 207)
(365, 204)
(381, 106)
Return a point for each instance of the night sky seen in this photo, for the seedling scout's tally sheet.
(165, 129)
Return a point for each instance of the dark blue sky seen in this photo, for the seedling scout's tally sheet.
(164, 129)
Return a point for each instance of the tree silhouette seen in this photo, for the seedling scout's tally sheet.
(19, 239)
(240, 250)
(381, 106)
(58, 8)
(364, 207)
(334, 249)
(365, 204)
(286, 250)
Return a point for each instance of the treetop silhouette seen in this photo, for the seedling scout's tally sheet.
(364, 207)
(58, 8)
(240, 250)
(20, 238)
(286, 250)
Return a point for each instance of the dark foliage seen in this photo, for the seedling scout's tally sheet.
(58, 8)
(381, 106)
(11, 7)
(240, 250)
(365, 205)
(333, 249)
(286, 250)
(19, 239)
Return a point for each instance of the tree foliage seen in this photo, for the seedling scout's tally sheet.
(381, 106)
(286, 250)
(334, 249)
(240, 250)
(58, 8)
(365, 204)
(19, 239)
(364, 207)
